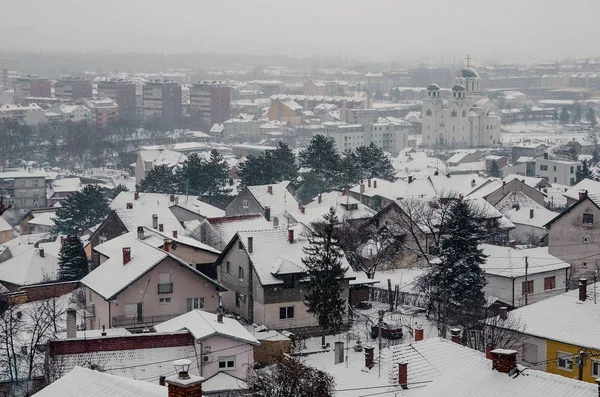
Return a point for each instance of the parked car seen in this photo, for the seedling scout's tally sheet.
(388, 331)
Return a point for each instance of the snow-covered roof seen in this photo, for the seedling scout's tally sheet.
(4, 225)
(112, 276)
(29, 267)
(227, 226)
(341, 203)
(162, 157)
(91, 383)
(23, 243)
(43, 219)
(591, 186)
(223, 382)
(517, 207)
(530, 181)
(458, 157)
(510, 262)
(563, 318)
(279, 200)
(204, 325)
(132, 218)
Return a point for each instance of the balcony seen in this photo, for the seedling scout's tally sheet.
(140, 322)
(165, 288)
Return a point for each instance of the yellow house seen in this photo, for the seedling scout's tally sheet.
(560, 332)
(288, 111)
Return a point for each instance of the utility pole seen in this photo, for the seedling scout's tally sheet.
(595, 280)
(380, 324)
(526, 282)
(580, 363)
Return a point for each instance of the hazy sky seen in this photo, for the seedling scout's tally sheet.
(380, 29)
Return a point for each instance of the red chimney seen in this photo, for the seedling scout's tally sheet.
(369, 183)
(582, 194)
(41, 252)
(302, 209)
(582, 289)
(136, 195)
(126, 255)
(369, 356)
(291, 235)
(166, 245)
(174, 233)
(270, 189)
(504, 360)
(488, 350)
(503, 313)
(184, 384)
(374, 184)
(455, 335)
(418, 333)
(320, 198)
(403, 375)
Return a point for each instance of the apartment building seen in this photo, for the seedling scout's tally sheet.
(73, 89)
(211, 100)
(31, 87)
(389, 136)
(74, 113)
(162, 99)
(23, 189)
(123, 93)
(27, 114)
(103, 111)
(557, 171)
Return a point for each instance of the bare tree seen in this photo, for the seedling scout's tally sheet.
(486, 327)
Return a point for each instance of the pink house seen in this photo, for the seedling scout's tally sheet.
(138, 285)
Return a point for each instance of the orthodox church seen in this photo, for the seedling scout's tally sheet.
(465, 119)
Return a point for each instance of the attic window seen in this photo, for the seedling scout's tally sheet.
(240, 245)
(588, 219)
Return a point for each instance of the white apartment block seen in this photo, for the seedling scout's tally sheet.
(27, 114)
(389, 136)
(557, 171)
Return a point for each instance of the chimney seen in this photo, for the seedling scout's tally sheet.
(220, 310)
(472, 182)
(455, 335)
(503, 313)
(36, 245)
(531, 213)
(41, 251)
(338, 352)
(418, 333)
(250, 245)
(161, 380)
(126, 255)
(343, 191)
(369, 356)
(172, 197)
(374, 184)
(410, 179)
(369, 183)
(582, 194)
(488, 350)
(129, 206)
(175, 234)
(320, 198)
(504, 360)
(63, 240)
(268, 214)
(362, 188)
(302, 209)
(161, 227)
(166, 243)
(71, 324)
(154, 221)
(136, 195)
(140, 232)
(291, 235)
(230, 181)
(582, 289)
(270, 189)
(103, 333)
(184, 384)
(403, 375)
(512, 244)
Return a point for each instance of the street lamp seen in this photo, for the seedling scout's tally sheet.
(182, 368)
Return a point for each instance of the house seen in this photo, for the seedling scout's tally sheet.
(582, 146)
(587, 185)
(288, 111)
(6, 231)
(376, 193)
(528, 217)
(463, 157)
(495, 190)
(574, 235)
(556, 344)
(263, 271)
(26, 228)
(33, 264)
(269, 200)
(557, 171)
(232, 344)
(137, 285)
(218, 232)
(347, 209)
(148, 159)
(60, 189)
(527, 149)
(502, 161)
(21, 244)
(521, 277)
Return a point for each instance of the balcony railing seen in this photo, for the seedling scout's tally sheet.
(136, 321)
(165, 288)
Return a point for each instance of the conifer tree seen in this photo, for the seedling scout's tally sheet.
(584, 172)
(494, 170)
(80, 211)
(591, 117)
(323, 262)
(161, 179)
(563, 118)
(73, 264)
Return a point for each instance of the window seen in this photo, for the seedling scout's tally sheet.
(572, 169)
(527, 287)
(240, 245)
(543, 167)
(227, 362)
(549, 283)
(228, 267)
(245, 203)
(554, 179)
(286, 313)
(241, 273)
(565, 361)
(453, 113)
(595, 368)
(554, 168)
(165, 300)
(194, 303)
(588, 219)
(133, 310)
(102, 239)
(165, 286)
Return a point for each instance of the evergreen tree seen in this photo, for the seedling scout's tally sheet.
(323, 262)
(572, 153)
(454, 284)
(374, 163)
(216, 174)
(349, 171)
(310, 187)
(191, 178)
(590, 116)
(494, 170)
(284, 163)
(73, 264)
(80, 211)
(577, 113)
(272, 166)
(116, 191)
(555, 116)
(583, 172)
(564, 116)
(320, 155)
(161, 179)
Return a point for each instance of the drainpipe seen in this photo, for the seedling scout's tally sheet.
(567, 278)
(513, 292)
(109, 317)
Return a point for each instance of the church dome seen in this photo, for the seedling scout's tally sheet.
(468, 72)
(433, 87)
(458, 87)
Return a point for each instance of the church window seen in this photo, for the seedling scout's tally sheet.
(464, 113)
(453, 113)
(428, 112)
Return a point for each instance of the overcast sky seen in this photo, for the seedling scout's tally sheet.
(379, 29)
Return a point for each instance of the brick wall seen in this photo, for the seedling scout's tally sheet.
(47, 291)
(271, 351)
(131, 342)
